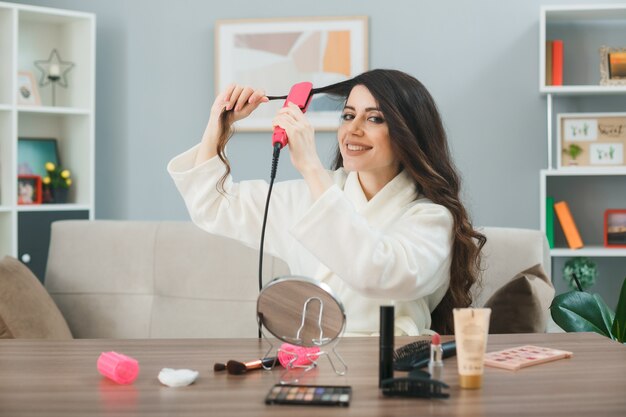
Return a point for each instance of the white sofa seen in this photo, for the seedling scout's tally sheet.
(131, 279)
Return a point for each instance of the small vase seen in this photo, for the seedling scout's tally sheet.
(59, 195)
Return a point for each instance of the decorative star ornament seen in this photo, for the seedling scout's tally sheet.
(54, 69)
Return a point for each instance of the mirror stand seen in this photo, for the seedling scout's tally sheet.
(294, 370)
(298, 365)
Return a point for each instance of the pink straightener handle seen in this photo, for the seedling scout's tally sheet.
(300, 95)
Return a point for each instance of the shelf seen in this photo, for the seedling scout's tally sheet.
(586, 171)
(53, 207)
(584, 13)
(5, 209)
(584, 90)
(6, 107)
(53, 110)
(590, 251)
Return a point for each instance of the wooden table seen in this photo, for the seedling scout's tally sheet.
(59, 378)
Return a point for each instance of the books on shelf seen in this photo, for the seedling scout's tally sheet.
(554, 62)
(548, 62)
(566, 220)
(550, 221)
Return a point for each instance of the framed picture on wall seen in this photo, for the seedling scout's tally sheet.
(34, 153)
(29, 189)
(591, 140)
(274, 54)
(27, 92)
(612, 66)
(615, 228)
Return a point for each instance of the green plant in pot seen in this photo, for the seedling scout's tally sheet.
(56, 183)
(579, 311)
(584, 269)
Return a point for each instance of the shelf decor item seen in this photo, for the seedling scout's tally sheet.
(54, 71)
(56, 183)
(591, 140)
(585, 271)
(274, 54)
(615, 228)
(612, 66)
(29, 189)
(27, 92)
(34, 153)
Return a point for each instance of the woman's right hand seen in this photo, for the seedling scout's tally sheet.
(239, 100)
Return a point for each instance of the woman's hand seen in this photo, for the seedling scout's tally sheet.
(301, 137)
(239, 101)
(302, 148)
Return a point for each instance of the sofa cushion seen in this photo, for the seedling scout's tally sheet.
(521, 305)
(26, 309)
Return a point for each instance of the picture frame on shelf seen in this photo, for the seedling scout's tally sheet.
(591, 140)
(27, 89)
(612, 66)
(29, 189)
(34, 153)
(274, 54)
(615, 228)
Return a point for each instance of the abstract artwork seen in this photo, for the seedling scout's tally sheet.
(275, 54)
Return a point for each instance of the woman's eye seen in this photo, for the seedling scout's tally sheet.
(376, 119)
(347, 116)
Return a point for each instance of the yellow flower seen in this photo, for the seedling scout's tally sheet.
(65, 173)
(50, 166)
(46, 180)
(68, 182)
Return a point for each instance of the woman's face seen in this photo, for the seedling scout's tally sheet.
(364, 137)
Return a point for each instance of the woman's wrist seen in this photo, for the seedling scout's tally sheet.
(318, 179)
(208, 145)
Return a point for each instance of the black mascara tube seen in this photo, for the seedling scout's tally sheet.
(385, 369)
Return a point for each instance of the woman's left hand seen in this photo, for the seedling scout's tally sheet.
(301, 138)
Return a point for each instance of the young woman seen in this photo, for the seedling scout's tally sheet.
(385, 227)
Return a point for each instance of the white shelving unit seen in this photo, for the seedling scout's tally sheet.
(584, 29)
(28, 34)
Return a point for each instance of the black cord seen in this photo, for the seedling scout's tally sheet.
(275, 157)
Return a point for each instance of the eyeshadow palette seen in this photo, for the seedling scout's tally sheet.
(309, 395)
(523, 356)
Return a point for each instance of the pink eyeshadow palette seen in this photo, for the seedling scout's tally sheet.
(523, 356)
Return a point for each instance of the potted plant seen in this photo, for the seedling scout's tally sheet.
(579, 311)
(584, 269)
(573, 151)
(57, 183)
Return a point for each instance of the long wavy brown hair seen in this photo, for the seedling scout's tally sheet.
(419, 141)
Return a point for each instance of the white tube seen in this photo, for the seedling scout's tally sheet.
(471, 326)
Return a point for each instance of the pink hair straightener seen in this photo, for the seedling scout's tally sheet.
(300, 95)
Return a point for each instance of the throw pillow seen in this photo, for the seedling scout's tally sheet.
(521, 305)
(26, 309)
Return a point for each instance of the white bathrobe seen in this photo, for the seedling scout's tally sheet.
(394, 249)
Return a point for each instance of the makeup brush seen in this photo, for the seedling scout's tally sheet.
(238, 368)
(217, 367)
(417, 354)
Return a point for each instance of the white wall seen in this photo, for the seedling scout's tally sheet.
(479, 59)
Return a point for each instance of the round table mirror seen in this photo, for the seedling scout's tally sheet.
(300, 311)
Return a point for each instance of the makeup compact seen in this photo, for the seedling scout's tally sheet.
(523, 356)
(333, 395)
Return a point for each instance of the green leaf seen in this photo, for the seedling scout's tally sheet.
(577, 311)
(619, 324)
